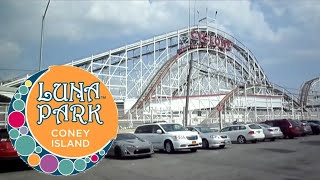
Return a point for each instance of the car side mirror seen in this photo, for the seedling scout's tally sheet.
(159, 131)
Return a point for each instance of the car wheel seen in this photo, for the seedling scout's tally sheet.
(205, 143)
(272, 139)
(222, 146)
(168, 147)
(193, 150)
(241, 139)
(291, 137)
(117, 152)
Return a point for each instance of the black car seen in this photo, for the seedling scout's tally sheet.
(314, 121)
(315, 126)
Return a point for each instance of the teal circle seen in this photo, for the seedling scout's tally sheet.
(18, 105)
(25, 145)
(14, 134)
(87, 160)
(66, 167)
(23, 90)
(17, 96)
(102, 152)
(38, 149)
(80, 164)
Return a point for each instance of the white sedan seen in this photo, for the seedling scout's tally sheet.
(270, 132)
(242, 133)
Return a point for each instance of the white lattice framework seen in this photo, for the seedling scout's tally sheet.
(148, 79)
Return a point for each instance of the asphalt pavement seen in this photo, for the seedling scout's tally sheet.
(287, 159)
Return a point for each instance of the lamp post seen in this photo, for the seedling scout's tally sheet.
(41, 43)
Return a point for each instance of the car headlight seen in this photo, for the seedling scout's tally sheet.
(130, 146)
(215, 137)
(179, 137)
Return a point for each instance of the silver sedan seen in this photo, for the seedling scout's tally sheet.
(211, 138)
(270, 132)
(129, 145)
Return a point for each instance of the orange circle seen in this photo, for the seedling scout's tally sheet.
(34, 159)
(69, 137)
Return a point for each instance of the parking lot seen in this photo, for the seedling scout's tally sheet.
(286, 159)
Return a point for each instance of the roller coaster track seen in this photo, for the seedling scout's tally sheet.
(159, 75)
(305, 91)
(154, 81)
(228, 98)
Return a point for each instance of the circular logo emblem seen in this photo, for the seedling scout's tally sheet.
(62, 120)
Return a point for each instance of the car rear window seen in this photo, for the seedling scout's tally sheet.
(294, 123)
(4, 133)
(254, 126)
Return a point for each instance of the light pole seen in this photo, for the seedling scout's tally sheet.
(41, 43)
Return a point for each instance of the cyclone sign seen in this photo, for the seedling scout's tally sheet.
(62, 120)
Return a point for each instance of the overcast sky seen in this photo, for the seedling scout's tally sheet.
(283, 35)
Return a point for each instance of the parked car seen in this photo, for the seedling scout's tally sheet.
(210, 138)
(289, 127)
(314, 127)
(7, 151)
(215, 129)
(244, 133)
(314, 121)
(169, 136)
(129, 145)
(306, 128)
(270, 132)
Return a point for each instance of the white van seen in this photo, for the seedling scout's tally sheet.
(169, 136)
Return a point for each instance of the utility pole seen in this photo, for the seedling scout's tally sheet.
(188, 90)
(186, 110)
(41, 43)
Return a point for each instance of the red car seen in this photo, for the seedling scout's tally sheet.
(290, 128)
(7, 151)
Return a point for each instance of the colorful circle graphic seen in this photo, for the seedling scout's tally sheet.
(62, 120)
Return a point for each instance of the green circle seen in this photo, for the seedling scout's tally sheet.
(14, 134)
(23, 90)
(17, 96)
(80, 165)
(25, 145)
(18, 105)
(87, 160)
(66, 167)
(102, 152)
(38, 149)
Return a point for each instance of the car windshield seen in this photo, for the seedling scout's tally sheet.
(173, 127)
(315, 121)
(205, 129)
(127, 137)
(4, 133)
(265, 125)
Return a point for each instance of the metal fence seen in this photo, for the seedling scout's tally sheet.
(3, 113)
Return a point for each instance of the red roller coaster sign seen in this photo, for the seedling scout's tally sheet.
(203, 39)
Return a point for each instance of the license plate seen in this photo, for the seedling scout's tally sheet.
(194, 142)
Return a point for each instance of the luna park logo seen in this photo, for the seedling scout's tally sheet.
(62, 120)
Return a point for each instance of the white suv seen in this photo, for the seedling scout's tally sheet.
(169, 136)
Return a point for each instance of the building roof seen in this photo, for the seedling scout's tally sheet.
(6, 93)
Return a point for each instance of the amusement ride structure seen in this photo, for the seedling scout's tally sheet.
(149, 81)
